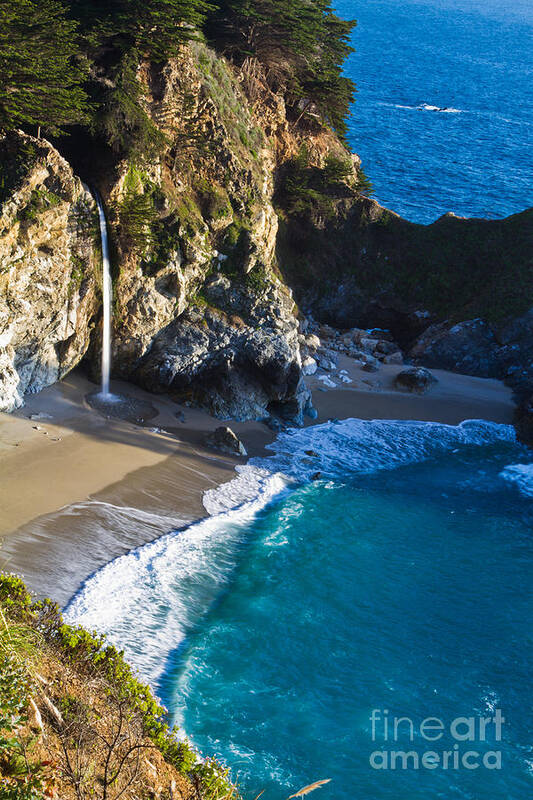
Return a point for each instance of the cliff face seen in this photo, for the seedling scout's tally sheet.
(456, 294)
(211, 234)
(200, 310)
(48, 267)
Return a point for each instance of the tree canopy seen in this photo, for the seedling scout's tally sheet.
(41, 68)
(65, 62)
(302, 44)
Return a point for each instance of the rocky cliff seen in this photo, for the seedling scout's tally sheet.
(222, 236)
(456, 294)
(48, 267)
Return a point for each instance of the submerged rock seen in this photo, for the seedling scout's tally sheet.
(226, 441)
(415, 379)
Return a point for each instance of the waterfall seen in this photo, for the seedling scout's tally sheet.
(107, 291)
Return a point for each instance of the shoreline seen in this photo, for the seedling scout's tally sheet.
(70, 477)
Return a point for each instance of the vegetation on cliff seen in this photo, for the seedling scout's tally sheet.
(76, 723)
(66, 62)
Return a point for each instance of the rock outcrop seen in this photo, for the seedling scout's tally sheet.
(200, 309)
(476, 347)
(209, 246)
(48, 267)
(415, 379)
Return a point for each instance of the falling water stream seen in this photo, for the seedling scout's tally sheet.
(120, 406)
(107, 292)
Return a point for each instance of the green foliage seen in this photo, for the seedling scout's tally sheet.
(89, 655)
(40, 200)
(41, 68)
(136, 211)
(302, 46)
(336, 170)
(155, 28)
(20, 779)
(14, 596)
(14, 166)
(308, 192)
(121, 117)
(213, 200)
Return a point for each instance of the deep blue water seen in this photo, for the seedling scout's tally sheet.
(400, 582)
(474, 56)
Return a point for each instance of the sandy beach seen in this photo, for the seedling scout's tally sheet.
(78, 489)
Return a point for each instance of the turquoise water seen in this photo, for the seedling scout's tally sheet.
(401, 581)
(471, 57)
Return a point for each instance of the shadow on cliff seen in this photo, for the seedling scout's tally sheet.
(367, 266)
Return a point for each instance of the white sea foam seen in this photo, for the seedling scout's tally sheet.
(363, 446)
(148, 600)
(521, 475)
(426, 107)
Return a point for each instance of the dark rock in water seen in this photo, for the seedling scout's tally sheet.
(224, 440)
(370, 366)
(311, 453)
(523, 421)
(415, 379)
(120, 406)
(316, 476)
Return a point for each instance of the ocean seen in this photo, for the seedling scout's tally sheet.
(396, 586)
(473, 60)
(288, 630)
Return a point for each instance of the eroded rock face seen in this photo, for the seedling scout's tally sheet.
(468, 347)
(477, 348)
(48, 266)
(200, 311)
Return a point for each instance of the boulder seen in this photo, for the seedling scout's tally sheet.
(225, 440)
(393, 358)
(415, 379)
(370, 365)
(469, 347)
(312, 342)
(309, 366)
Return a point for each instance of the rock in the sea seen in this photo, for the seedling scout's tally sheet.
(226, 441)
(523, 421)
(415, 379)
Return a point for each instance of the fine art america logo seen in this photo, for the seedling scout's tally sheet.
(462, 743)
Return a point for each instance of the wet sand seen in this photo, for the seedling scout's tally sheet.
(77, 490)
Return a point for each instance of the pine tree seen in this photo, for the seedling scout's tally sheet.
(41, 70)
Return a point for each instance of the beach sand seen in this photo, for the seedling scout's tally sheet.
(77, 489)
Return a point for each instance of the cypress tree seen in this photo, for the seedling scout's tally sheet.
(41, 69)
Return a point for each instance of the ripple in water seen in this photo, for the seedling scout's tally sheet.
(401, 581)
